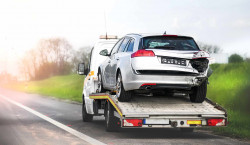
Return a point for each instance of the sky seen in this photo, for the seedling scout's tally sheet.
(24, 22)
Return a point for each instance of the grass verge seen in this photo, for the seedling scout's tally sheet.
(230, 87)
(63, 87)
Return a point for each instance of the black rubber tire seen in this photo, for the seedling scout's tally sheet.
(102, 90)
(199, 93)
(85, 116)
(123, 96)
(187, 129)
(111, 122)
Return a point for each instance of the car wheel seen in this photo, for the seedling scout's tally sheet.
(110, 120)
(85, 116)
(199, 93)
(122, 95)
(100, 84)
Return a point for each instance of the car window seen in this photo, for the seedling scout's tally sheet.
(170, 43)
(123, 45)
(114, 50)
(130, 46)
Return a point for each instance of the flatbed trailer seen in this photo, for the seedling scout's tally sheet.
(157, 112)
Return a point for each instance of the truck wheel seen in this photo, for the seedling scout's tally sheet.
(122, 95)
(100, 84)
(85, 116)
(199, 93)
(110, 120)
(187, 129)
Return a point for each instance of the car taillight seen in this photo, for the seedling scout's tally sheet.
(216, 122)
(143, 52)
(148, 84)
(132, 122)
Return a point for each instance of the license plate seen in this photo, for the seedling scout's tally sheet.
(175, 61)
(156, 121)
(194, 122)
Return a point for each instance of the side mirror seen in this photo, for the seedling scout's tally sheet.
(104, 52)
(81, 69)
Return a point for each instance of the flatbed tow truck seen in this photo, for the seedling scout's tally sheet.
(166, 111)
(158, 112)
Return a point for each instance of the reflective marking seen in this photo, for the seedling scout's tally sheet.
(194, 122)
(110, 100)
(56, 123)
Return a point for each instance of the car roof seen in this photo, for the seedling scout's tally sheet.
(152, 34)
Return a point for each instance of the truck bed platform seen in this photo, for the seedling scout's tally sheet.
(162, 105)
(175, 108)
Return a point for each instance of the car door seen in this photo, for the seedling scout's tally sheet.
(114, 58)
(107, 66)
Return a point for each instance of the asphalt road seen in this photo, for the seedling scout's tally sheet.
(19, 126)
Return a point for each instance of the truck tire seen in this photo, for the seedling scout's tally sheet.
(199, 93)
(85, 116)
(100, 84)
(122, 95)
(187, 129)
(110, 119)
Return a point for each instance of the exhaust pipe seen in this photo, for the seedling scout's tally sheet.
(148, 88)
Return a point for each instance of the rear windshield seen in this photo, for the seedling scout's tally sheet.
(169, 43)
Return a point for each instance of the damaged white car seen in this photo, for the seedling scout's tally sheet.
(151, 64)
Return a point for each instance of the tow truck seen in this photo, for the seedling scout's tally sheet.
(160, 111)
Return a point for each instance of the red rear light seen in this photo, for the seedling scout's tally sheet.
(143, 52)
(149, 84)
(216, 122)
(132, 122)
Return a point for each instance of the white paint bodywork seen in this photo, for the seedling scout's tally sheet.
(90, 85)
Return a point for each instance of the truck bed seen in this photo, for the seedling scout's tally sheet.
(144, 106)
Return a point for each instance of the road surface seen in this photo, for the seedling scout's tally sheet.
(30, 119)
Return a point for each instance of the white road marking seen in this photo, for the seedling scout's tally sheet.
(56, 123)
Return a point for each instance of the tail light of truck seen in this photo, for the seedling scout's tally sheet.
(132, 122)
(143, 53)
(216, 122)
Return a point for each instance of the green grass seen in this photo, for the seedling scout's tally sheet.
(62, 87)
(229, 86)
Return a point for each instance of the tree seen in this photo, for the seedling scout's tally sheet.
(82, 55)
(209, 48)
(50, 57)
(235, 58)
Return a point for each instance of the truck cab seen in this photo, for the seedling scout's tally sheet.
(90, 71)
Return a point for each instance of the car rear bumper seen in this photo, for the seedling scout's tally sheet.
(135, 81)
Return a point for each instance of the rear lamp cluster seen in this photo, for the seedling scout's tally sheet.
(216, 122)
(132, 122)
(143, 52)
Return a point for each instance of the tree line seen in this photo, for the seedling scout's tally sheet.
(53, 56)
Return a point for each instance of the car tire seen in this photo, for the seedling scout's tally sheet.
(199, 93)
(111, 122)
(100, 83)
(122, 95)
(85, 116)
(187, 130)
